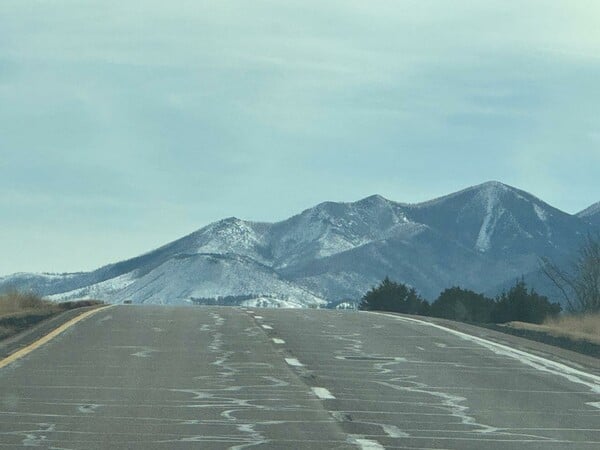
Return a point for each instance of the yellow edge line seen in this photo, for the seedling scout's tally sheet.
(47, 338)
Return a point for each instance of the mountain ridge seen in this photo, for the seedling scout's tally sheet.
(478, 237)
(591, 214)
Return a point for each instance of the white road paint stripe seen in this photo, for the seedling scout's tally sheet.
(294, 362)
(394, 432)
(278, 341)
(323, 393)
(367, 444)
(537, 362)
(267, 327)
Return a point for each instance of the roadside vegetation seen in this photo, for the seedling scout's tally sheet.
(517, 304)
(19, 310)
(584, 324)
(396, 297)
(519, 311)
(579, 282)
(573, 326)
(576, 332)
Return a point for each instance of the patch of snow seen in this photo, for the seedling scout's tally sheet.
(492, 213)
(540, 213)
(346, 305)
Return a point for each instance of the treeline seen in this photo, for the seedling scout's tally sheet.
(517, 304)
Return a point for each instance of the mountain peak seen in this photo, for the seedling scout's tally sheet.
(373, 199)
(590, 211)
(231, 219)
(488, 189)
(493, 184)
(496, 189)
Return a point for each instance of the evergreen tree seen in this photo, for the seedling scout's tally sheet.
(519, 304)
(396, 297)
(463, 305)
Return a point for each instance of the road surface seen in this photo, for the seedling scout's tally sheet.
(168, 378)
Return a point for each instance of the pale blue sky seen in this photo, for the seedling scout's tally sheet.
(127, 124)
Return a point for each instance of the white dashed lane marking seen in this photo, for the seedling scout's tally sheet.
(293, 362)
(368, 444)
(323, 393)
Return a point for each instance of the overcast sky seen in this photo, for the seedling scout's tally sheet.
(126, 124)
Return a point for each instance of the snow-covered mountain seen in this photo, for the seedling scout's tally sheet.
(591, 214)
(479, 238)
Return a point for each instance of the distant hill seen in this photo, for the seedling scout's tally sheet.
(480, 238)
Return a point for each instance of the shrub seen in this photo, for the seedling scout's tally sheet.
(14, 301)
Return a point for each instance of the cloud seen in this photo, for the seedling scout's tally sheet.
(211, 109)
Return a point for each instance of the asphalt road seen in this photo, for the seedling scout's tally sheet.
(213, 378)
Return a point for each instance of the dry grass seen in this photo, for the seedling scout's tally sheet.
(584, 324)
(19, 311)
(579, 327)
(18, 303)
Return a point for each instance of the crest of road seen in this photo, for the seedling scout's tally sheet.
(137, 377)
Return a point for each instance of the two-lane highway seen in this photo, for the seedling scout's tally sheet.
(195, 377)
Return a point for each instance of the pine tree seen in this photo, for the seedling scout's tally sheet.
(463, 305)
(519, 304)
(392, 296)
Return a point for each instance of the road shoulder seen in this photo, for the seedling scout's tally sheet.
(14, 343)
(550, 352)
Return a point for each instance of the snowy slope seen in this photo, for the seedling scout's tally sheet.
(331, 228)
(194, 276)
(591, 215)
(480, 238)
(497, 219)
